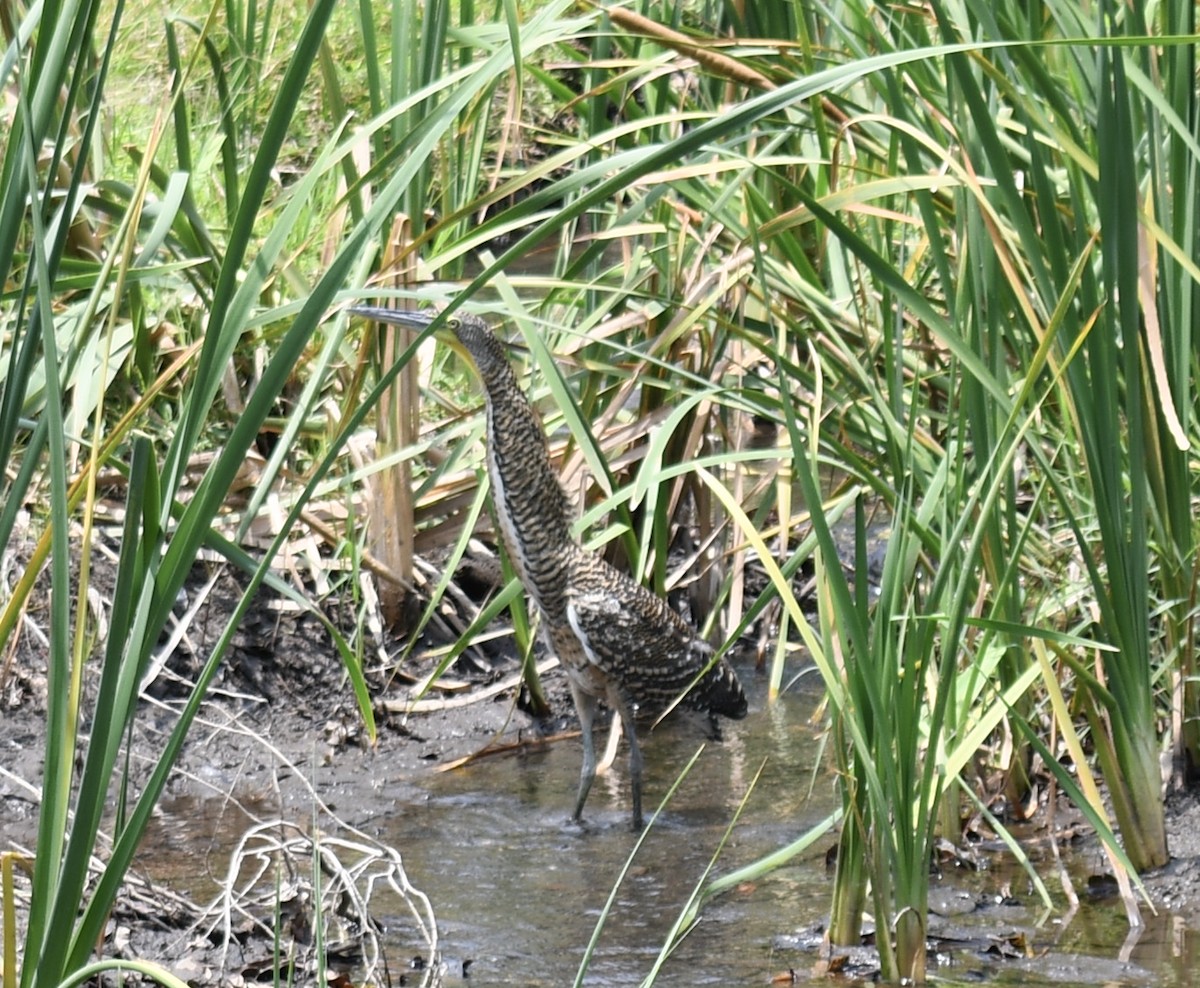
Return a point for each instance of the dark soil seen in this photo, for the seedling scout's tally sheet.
(280, 730)
(279, 735)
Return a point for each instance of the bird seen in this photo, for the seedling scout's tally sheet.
(618, 641)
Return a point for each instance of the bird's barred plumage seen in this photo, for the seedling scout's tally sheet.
(639, 641)
(618, 641)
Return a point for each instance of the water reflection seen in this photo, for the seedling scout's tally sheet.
(518, 890)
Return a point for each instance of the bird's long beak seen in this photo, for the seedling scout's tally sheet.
(419, 319)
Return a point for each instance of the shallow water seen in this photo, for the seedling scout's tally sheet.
(518, 891)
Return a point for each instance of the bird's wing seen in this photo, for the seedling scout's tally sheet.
(636, 639)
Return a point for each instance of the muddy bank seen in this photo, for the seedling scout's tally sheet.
(280, 749)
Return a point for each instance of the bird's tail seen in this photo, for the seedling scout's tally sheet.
(720, 691)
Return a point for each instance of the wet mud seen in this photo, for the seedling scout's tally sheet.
(228, 871)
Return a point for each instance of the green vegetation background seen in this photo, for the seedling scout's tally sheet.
(947, 251)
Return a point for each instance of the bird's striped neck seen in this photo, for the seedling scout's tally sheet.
(531, 507)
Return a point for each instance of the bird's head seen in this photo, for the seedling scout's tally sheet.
(465, 332)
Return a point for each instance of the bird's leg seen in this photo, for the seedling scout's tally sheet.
(585, 707)
(635, 774)
(623, 707)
